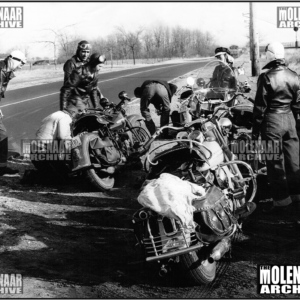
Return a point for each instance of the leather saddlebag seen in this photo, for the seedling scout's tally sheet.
(213, 216)
(105, 151)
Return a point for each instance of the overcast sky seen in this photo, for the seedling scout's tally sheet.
(224, 20)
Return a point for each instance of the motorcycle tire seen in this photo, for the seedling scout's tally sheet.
(100, 183)
(142, 132)
(200, 271)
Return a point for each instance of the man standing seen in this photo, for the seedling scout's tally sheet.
(275, 102)
(14, 61)
(84, 82)
(159, 93)
(80, 58)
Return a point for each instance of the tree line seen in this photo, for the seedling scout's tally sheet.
(157, 43)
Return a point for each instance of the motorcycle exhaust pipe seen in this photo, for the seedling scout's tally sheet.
(219, 250)
(163, 271)
(143, 215)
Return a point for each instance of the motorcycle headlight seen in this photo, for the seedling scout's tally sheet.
(222, 178)
(196, 135)
(225, 124)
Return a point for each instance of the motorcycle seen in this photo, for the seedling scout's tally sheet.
(129, 127)
(102, 140)
(215, 85)
(200, 155)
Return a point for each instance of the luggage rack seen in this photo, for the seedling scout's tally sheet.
(169, 243)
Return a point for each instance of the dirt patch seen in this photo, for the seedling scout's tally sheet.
(69, 241)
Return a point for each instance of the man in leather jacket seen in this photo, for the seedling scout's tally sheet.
(159, 93)
(84, 82)
(277, 99)
(14, 61)
(224, 75)
(80, 58)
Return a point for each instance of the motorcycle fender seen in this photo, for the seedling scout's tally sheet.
(134, 118)
(80, 154)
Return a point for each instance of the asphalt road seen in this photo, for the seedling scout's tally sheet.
(24, 108)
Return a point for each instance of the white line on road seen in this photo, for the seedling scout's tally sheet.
(98, 82)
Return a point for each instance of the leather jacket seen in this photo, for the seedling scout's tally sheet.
(82, 83)
(5, 77)
(70, 65)
(278, 91)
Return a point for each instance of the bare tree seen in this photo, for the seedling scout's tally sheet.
(158, 34)
(67, 43)
(148, 42)
(132, 40)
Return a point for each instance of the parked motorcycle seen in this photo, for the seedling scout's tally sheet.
(104, 139)
(215, 85)
(130, 126)
(199, 155)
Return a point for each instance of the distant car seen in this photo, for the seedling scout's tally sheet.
(41, 62)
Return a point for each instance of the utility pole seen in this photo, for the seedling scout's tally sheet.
(254, 50)
(296, 43)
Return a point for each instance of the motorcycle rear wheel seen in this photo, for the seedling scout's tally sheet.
(100, 183)
(200, 271)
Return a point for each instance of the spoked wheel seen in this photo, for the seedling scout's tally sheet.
(198, 269)
(101, 180)
(140, 135)
(139, 132)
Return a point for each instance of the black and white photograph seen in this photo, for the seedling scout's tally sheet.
(149, 150)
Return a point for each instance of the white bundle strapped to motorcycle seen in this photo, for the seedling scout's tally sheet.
(172, 197)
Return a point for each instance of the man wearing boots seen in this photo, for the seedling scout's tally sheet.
(277, 98)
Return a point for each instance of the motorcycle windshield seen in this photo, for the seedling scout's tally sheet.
(216, 80)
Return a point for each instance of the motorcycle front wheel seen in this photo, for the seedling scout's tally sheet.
(100, 182)
(198, 270)
(141, 132)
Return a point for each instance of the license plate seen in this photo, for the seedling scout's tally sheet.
(76, 141)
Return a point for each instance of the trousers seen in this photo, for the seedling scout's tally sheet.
(156, 94)
(282, 169)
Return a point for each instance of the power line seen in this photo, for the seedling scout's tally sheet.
(245, 15)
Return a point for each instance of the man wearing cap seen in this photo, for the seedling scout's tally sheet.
(56, 126)
(276, 100)
(84, 82)
(80, 58)
(159, 93)
(14, 61)
(224, 74)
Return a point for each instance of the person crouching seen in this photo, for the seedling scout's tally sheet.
(53, 141)
(159, 93)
